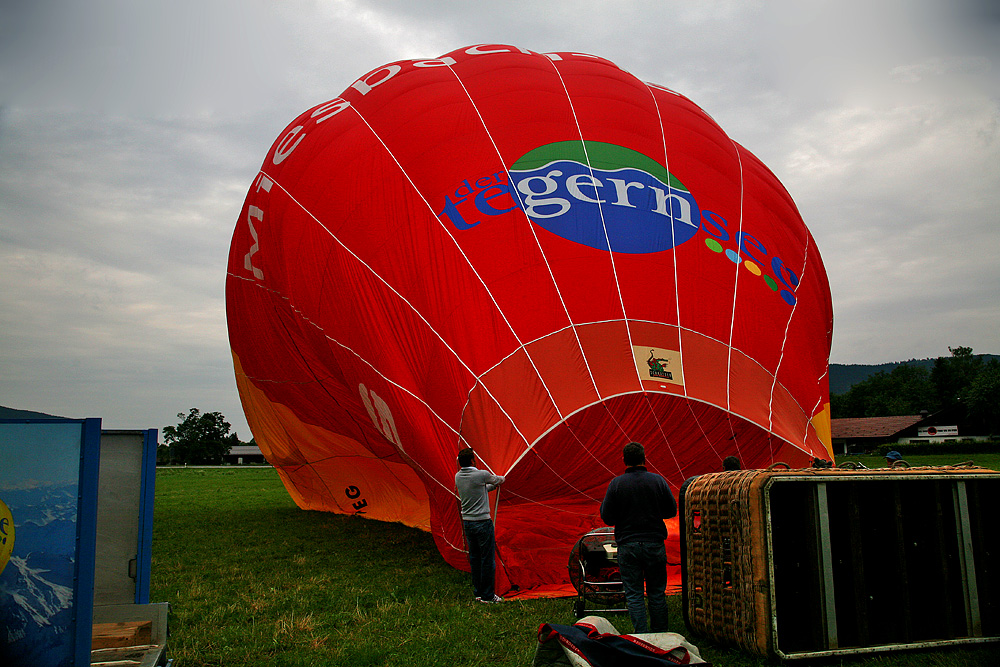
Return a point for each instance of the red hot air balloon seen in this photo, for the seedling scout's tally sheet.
(535, 255)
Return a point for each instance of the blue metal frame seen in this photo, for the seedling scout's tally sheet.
(86, 539)
(144, 549)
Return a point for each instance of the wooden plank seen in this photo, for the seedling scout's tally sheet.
(126, 633)
(125, 655)
(967, 561)
(825, 564)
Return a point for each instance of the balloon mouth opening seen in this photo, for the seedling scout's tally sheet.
(681, 436)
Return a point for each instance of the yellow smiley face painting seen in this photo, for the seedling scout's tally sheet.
(6, 535)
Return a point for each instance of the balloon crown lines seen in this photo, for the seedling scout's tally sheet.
(604, 196)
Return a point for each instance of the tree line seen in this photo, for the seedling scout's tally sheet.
(199, 439)
(962, 382)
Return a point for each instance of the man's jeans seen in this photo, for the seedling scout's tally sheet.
(641, 562)
(479, 535)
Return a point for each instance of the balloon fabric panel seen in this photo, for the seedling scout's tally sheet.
(537, 255)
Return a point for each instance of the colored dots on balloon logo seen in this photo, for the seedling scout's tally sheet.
(751, 266)
(604, 196)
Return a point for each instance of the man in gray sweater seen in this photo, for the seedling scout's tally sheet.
(473, 485)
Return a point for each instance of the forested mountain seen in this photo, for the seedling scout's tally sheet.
(845, 376)
(964, 383)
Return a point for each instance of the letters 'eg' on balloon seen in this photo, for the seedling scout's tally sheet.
(535, 255)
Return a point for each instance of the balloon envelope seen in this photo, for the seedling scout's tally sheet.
(535, 255)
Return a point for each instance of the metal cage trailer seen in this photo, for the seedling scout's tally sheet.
(593, 570)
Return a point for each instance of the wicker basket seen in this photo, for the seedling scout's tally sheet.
(817, 562)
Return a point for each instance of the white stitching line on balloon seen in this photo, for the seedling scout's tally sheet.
(572, 325)
(404, 300)
(365, 361)
(318, 327)
(673, 254)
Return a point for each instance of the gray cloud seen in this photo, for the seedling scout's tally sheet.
(130, 132)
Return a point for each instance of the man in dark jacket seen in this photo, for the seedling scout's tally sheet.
(636, 504)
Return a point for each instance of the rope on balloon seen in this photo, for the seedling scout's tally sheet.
(496, 547)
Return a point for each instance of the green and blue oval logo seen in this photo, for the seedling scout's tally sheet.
(610, 198)
(605, 196)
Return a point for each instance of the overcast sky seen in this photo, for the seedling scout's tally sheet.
(130, 132)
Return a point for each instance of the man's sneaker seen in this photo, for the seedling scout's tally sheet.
(494, 600)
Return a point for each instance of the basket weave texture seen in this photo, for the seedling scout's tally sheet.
(726, 579)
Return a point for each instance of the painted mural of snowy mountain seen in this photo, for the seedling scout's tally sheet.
(36, 587)
(39, 598)
(45, 518)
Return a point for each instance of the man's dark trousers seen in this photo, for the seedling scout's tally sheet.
(479, 536)
(645, 562)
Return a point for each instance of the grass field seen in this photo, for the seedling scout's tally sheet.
(253, 580)
(991, 461)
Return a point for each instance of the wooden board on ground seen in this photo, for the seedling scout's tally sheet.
(126, 633)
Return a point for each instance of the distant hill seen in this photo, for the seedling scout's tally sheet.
(14, 413)
(845, 376)
(842, 378)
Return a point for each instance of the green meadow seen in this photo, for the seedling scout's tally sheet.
(253, 580)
